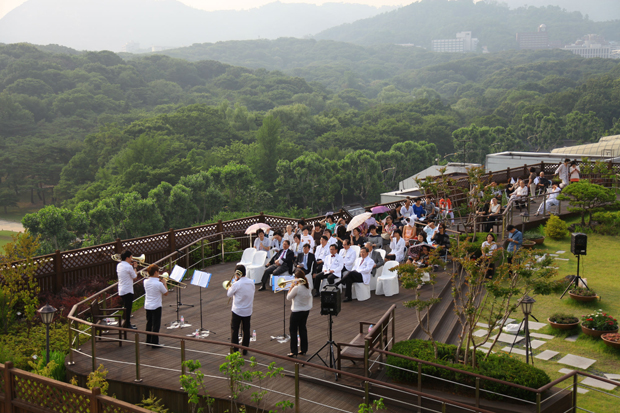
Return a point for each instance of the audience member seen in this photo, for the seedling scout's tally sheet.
(397, 247)
(332, 269)
(305, 260)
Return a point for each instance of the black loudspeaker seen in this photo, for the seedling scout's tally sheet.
(578, 243)
(330, 300)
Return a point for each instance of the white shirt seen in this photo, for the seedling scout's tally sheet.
(154, 290)
(276, 245)
(554, 194)
(289, 238)
(491, 247)
(331, 241)
(430, 232)
(301, 297)
(398, 248)
(407, 213)
(126, 275)
(520, 192)
(348, 257)
(307, 239)
(321, 253)
(574, 172)
(364, 266)
(265, 243)
(563, 173)
(242, 291)
(297, 248)
(333, 264)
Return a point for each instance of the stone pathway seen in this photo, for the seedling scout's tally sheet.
(11, 226)
(547, 355)
(589, 381)
(543, 336)
(572, 339)
(577, 361)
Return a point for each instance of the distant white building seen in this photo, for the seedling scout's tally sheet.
(591, 46)
(462, 44)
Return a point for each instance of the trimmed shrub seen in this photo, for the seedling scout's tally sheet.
(556, 228)
(561, 318)
(498, 366)
(609, 223)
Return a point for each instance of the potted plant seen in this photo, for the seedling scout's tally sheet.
(529, 244)
(582, 294)
(537, 235)
(611, 339)
(598, 323)
(563, 321)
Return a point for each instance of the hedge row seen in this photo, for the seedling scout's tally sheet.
(498, 366)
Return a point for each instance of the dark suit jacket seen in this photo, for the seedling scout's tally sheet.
(310, 262)
(376, 257)
(288, 259)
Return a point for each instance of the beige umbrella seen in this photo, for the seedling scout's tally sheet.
(358, 220)
(253, 228)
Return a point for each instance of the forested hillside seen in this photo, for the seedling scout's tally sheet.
(136, 147)
(493, 23)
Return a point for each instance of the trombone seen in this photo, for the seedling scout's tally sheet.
(140, 260)
(297, 281)
(173, 283)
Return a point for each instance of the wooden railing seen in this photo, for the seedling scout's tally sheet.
(23, 392)
(69, 268)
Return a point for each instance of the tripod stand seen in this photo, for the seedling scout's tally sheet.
(529, 353)
(575, 280)
(331, 344)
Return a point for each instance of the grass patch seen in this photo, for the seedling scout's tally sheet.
(6, 237)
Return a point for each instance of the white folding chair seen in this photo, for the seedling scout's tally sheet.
(373, 280)
(360, 291)
(257, 268)
(357, 250)
(246, 258)
(387, 284)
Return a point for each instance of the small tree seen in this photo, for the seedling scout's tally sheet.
(18, 275)
(196, 389)
(585, 197)
(556, 228)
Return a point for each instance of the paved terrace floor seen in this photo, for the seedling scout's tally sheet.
(267, 321)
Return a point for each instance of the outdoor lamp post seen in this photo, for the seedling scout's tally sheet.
(47, 316)
(527, 303)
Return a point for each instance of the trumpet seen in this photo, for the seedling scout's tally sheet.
(297, 281)
(140, 260)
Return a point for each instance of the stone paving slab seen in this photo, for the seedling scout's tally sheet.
(565, 371)
(560, 252)
(547, 355)
(613, 376)
(537, 343)
(514, 350)
(507, 338)
(480, 333)
(582, 391)
(577, 361)
(553, 255)
(597, 383)
(561, 259)
(543, 336)
(483, 325)
(487, 344)
(572, 338)
(533, 325)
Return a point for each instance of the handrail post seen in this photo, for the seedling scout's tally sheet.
(137, 340)
(94, 401)
(382, 340)
(186, 257)
(538, 403)
(93, 337)
(8, 387)
(296, 387)
(183, 357)
(222, 244)
(393, 327)
(477, 391)
(443, 407)
(419, 386)
(70, 363)
(366, 393)
(366, 362)
(575, 387)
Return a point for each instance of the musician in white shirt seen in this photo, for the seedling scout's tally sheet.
(126, 270)
(348, 255)
(242, 293)
(332, 269)
(155, 288)
(361, 272)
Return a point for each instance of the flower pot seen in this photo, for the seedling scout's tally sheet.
(612, 344)
(596, 333)
(583, 298)
(563, 326)
(539, 241)
(528, 244)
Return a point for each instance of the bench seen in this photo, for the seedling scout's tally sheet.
(101, 314)
(364, 344)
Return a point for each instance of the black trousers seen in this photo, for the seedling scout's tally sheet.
(297, 325)
(235, 322)
(349, 279)
(331, 278)
(273, 270)
(127, 304)
(391, 257)
(318, 267)
(153, 323)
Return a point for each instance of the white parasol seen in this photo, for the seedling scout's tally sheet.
(358, 220)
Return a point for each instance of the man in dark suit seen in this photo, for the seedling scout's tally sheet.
(305, 260)
(280, 263)
(376, 257)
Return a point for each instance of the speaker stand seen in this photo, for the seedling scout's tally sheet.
(330, 344)
(575, 280)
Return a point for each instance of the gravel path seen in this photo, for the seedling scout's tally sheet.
(11, 226)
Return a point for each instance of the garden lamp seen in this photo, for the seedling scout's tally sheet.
(47, 316)
(527, 303)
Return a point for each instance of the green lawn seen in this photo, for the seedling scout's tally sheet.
(5, 237)
(599, 267)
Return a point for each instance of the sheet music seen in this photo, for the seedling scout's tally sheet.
(201, 279)
(177, 273)
(274, 282)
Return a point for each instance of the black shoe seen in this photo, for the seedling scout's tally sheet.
(316, 294)
(291, 355)
(262, 288)
(245, 352)
(346, 300)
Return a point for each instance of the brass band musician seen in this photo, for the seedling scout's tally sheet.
(242, 294)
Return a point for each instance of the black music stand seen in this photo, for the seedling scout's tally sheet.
(283, 338)
(177, 274)
(202, 279)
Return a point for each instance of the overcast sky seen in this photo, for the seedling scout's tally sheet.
(8, 5)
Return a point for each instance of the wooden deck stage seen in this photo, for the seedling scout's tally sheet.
(267, 320)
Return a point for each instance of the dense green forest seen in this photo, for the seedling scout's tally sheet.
(492, 22)
(135, 147)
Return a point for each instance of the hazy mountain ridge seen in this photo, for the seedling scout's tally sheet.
(494, 24)
(110, 24)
